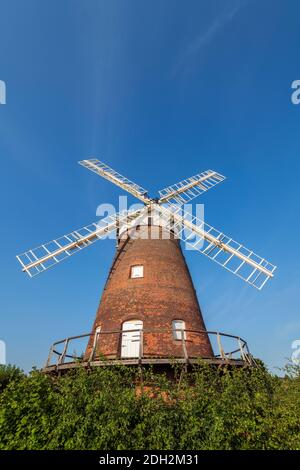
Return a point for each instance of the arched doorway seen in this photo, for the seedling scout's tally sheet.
(131, 338)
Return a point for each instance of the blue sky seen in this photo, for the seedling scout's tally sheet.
(160, 91)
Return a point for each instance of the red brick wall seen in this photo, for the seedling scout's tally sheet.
(165, 293)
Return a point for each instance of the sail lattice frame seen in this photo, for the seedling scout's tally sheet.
(219, 247)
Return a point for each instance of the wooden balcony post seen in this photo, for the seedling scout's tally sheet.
(61, 359)
(222, 353)
(49, 357)
(185, 353)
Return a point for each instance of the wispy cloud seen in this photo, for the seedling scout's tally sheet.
(194, 47)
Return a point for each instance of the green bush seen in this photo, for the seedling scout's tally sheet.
(104, 409)
(9, 374)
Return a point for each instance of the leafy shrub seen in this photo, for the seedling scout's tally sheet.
(7, 374)
(107, 408)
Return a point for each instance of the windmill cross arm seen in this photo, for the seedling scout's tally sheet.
(187, 186)
(39, 259)
(186, 190)
(228, 249)
(111, 175)
(70, 246)
(220, 248)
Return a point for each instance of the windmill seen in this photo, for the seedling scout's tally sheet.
(149, 311)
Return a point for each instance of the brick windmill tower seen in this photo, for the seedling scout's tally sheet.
(149, 311)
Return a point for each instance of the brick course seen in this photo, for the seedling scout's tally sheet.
(165, 293)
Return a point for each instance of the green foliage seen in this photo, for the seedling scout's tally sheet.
(7, 374)
(105, 409)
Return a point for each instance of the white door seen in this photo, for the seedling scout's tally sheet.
(131, 339)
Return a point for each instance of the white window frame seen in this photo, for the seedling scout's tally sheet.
(178, 325)
(139, 271)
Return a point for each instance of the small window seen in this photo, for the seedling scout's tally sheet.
(137, 271)
(178, 329)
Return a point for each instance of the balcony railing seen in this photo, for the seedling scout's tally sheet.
(91, 348)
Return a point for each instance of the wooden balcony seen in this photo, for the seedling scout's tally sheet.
(91, 350)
